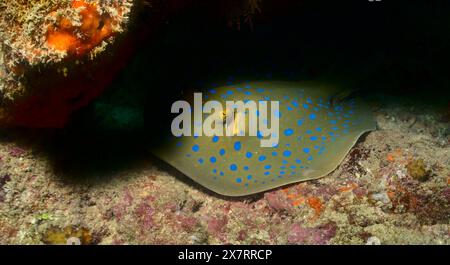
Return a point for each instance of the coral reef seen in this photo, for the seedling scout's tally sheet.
(42, 32)
(57, 56)
(45, 44)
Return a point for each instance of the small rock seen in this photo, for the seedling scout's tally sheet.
(417, 170)
(380, 197)
(373, 240)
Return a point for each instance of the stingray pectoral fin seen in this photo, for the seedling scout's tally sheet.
(314, 138)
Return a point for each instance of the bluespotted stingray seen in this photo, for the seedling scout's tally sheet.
(315, 134)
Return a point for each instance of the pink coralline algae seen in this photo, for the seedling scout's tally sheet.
(360, 192)
(278, 201)
(121, 208)
(312, 236)
(144, 213)
(16, 151)
(216, 226)
(446, 194)
(188, 223)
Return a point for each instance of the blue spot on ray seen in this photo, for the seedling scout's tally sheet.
(259, 135)
(287, 153)
(288, 132)
(237, 146)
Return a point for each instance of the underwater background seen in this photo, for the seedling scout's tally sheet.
(97, 180)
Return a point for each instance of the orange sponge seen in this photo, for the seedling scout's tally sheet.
(79, 39)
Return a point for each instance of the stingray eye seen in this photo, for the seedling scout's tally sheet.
(223, 116)
(228, 117)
